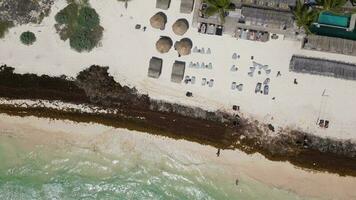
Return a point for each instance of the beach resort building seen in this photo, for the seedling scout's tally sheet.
(252, 20)
(309, 65)
(333, 33)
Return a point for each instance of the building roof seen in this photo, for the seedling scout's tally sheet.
(163, 4)
(267, 3)
(330, 44)
(178, 70)
(155, 68)
(269, 17)
(323, 67)
(186, 6)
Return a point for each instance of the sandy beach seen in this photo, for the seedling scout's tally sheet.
(127, 52)
(110, 143)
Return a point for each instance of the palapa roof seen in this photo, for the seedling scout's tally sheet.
(155, 68)
(164, 44)
(323, 67)
(267, 2)
(163, 4)
(184, 46)
(186, 6)
(180, 27)
(159, 20)
(178, 70)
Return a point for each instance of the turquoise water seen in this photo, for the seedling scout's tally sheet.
(332, 19)
(115, 169)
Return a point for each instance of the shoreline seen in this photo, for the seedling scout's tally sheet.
(177, 121)
(106, 141)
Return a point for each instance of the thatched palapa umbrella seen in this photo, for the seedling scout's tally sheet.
(164, 44)
(180, 27)
(184, 46)
(159, 20)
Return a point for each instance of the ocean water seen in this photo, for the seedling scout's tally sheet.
(117, 166)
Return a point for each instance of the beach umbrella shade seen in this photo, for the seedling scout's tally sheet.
(164, 44)
(159, 21)
(180, 27)
(184, 46)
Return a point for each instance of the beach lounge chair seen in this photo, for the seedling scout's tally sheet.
(195, 49)
(202, 50)
(208, 51)
(240, 87)
(268, 71)
(252, 69)
(250, 74)
(198, 65)
(202, 65)
(234, 56)
(258, 87)
(211, 83)
(203, 81)
(190, 65)
(266, 90)
(210, 66)
(233, 68)
(266, 82)
(192, 80)
(233, 85)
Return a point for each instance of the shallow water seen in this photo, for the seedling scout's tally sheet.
(118, 166)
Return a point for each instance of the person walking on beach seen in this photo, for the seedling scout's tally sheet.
(218, 153)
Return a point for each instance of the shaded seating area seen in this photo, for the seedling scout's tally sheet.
(178, 70)
(164, 44)
(186, 6)
(163, 4)
(184, 46)
(159, 21)
(155, 67)
(180, 27)
(324, 67)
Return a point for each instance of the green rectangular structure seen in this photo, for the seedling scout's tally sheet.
(328, 18)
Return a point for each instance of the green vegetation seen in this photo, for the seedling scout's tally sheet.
(220, 7)
(81, 25)
(28, 38)
(331, 5)
(304, 16)
(4, 27)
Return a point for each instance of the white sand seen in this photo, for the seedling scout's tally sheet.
(127, 51)
(104, 139)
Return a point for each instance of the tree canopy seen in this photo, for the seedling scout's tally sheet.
(28, 38)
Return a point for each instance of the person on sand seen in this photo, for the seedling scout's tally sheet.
(218, 153)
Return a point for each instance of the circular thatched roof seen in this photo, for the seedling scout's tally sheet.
(180, 27)
(184, 46)
(159, 20)
(164, 44)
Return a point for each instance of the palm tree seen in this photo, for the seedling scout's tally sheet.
(331, 5)
(304, 16)
(220, 7)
